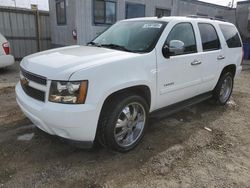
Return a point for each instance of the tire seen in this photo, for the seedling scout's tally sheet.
(125, 115)
(224, 88)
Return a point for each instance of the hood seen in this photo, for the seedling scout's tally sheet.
(61, 63)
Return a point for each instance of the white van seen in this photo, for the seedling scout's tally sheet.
(105, 91)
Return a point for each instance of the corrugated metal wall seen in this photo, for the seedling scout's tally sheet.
(20, 27)
(87, 30)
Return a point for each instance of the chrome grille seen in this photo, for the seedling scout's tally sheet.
(36, 93)
(34, 77)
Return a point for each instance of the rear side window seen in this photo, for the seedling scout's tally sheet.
(231, 36)
(209, 37)
(185, 33)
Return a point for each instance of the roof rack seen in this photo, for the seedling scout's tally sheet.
(206, 17)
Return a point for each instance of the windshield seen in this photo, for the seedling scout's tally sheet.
(132, 36)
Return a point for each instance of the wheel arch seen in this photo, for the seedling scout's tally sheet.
(229, 68)
(141, 90)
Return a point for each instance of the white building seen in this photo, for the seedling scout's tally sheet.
(90, 17)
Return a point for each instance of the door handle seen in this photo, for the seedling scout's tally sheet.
(196, 62)
(221, 57)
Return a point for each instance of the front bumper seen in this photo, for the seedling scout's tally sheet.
(74, 122)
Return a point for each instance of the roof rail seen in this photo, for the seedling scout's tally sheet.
(206, 17)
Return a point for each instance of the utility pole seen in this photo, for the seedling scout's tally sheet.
(14, 3)
(232, 6)
(35, 10)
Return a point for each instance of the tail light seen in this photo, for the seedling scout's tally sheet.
(6, 48)
(242, 56)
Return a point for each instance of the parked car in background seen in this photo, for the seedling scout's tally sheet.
(106, 90)
(6, 59)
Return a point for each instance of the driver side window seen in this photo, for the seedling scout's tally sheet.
(183, 32)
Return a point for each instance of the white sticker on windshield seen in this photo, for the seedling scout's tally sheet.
(153, 25)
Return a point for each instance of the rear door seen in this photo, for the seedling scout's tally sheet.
(213, 56)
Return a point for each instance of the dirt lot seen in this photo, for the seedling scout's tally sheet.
(176, 152)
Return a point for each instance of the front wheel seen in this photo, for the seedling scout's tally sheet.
(124, 122)
(224, 88)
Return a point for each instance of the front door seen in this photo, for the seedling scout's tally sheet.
(179, 76)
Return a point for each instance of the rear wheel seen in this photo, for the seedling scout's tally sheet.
(124, 122)
(224, 88)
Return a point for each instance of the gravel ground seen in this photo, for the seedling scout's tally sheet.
(177, 151)
(9, 75)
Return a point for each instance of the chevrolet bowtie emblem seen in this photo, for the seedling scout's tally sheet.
(24, 81)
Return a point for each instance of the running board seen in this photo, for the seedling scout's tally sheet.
(166, 111)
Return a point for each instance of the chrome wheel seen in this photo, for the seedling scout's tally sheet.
(226, 89)
(130, 124)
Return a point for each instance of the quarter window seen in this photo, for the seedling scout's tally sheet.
(231, 36)
(104, 12)
(209, 37)
(135, 10)
(183, 32)
(60, 12)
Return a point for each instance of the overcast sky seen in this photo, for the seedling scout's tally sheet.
(43, 4)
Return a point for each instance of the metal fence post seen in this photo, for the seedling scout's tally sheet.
(38, 31)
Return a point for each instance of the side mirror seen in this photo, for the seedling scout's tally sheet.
(176, 47)
(165, 51)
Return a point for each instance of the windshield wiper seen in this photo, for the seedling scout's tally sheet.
(115, 46)
(112, 46)
(93, 44)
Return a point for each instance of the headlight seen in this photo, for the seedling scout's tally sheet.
(74, 92)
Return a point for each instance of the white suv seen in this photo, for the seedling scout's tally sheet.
(105, 91)
(5, 58)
